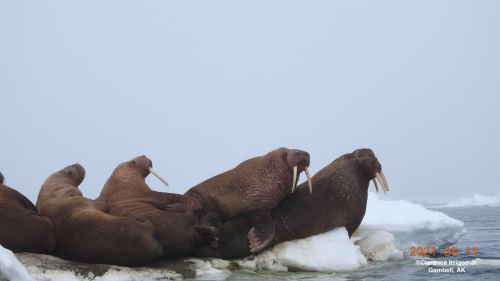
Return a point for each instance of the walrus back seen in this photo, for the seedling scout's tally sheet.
(86, 234)
(23, 228)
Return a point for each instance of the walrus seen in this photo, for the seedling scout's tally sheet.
(339, 199)
(85, 232)
(252, 189)
(22, 227)
(177, 227)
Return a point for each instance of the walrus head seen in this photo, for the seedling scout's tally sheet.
(145, 166)
(75, 173)
(358, 153)
(1, 178)
(299, 160)
(371, 167)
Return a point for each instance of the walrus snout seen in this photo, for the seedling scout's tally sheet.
(143, 162)
(75, 172)
(299, 161)
(373, 169)
(298, 158)
(145, 165)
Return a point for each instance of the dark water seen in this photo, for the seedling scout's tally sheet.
(483, 233)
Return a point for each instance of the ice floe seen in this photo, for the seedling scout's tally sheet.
(388, 230)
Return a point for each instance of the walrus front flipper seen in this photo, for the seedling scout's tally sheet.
(212, 219)
(206, 227)
(262, 232)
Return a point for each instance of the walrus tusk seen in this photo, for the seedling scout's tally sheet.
(376, 186)
(381, 181)
(309, 180)
(158, 176)
(294, 177)
(385, 180)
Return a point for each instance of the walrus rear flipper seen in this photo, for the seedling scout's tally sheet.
(262, 232)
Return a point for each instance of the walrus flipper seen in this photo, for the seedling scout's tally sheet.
(263, 231)
(212, 219)
(206, 227)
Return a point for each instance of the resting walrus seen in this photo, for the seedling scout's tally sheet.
(86, 233)
(339, 199)
(22, 227)
(177, 227)
(252, 189)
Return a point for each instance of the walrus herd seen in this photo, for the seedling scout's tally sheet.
(255, 205)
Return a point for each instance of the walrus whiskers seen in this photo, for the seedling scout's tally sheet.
(294, 177)
(309, 179)
(158, 176)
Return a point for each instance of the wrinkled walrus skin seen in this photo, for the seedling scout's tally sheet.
(22, 227)
(86, 233)
(252, 189)
(339, 199)
(171, 214)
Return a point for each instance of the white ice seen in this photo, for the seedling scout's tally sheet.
(476, 201)
(411, 224)
(10, 268)
(389, 228)
(328, 252)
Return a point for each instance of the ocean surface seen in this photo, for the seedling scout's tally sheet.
(483, 233)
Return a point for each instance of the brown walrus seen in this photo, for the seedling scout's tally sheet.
(22, 227)
(176, 225)
(252, 189)
(339, 199)
(86, 233)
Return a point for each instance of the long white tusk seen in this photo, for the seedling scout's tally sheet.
(158, 176)
(294, 177)
(385, 180)
(381, 181)
(309, 180)
(376, 186)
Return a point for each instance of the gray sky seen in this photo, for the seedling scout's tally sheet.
(201, 86)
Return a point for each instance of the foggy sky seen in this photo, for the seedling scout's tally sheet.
(200, 86)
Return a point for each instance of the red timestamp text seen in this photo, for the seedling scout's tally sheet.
(447, 251)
